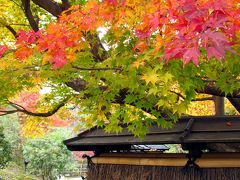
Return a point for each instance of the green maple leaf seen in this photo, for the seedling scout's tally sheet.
(167, 77)
(130, 99)
(160, 103)
(153, 91)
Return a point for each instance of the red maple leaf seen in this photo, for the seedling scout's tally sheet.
(59, 59)
(173, 53)
(142, 34)
(154, 21)
(24, 37)
(191, 54)
(218, 38)
(215, 51)
(112, 2)
(215, 43)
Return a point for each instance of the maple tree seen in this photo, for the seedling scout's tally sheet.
(124, 61)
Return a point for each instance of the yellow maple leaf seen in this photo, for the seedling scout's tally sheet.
(151, 77)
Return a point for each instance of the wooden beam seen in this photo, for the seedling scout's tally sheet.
(207, 161)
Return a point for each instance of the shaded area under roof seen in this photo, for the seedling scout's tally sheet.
(200, 129)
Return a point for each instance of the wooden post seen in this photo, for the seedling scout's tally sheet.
(219, 105)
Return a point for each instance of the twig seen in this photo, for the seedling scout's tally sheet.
(203, 99)
(179, 95)
(98, 69)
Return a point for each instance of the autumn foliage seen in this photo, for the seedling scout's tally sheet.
(130, 61)
(181, 29)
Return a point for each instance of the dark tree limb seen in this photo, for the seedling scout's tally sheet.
(19, 108)
(96, 46)
(203, 99)
(14, 33)
(52, 7)
(77, 84)
(98, 68)
(6, 112)
(65, 4)
(178, 94)
(196, 99)
(213, 90)
(19, 5)
(234, 98)
(29, 15)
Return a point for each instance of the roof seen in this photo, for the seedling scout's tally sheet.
(199, 129)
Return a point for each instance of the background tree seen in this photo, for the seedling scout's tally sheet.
(5, 150)
(14, 168)
(133, 62)
(11, 131)
(12, 160)
(48, 157)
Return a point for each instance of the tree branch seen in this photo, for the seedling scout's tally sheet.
(96, 46)
(14, 33)
(204, 99)
(52, 7)
(77, 84)
(19, 108)
(197, 99)
(19, 5)
(213, 90)
(6, 112)
(178, 94)
(65, 4)
(234, 98)
(29, 15)
(98, 69)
